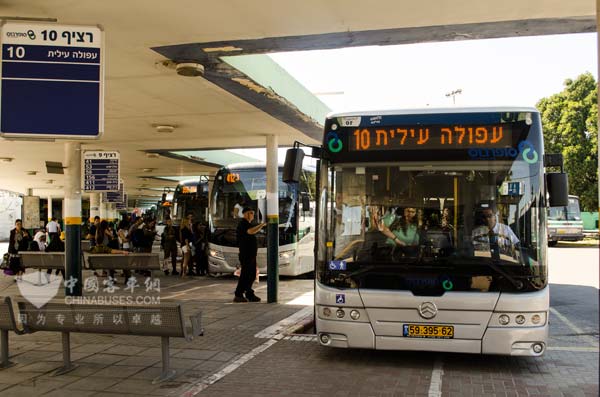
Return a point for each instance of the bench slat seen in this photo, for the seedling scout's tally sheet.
(157, 320)
(133, 261)
(43, 260)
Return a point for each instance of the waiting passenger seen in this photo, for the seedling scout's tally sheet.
(18, 241)
(103, 236)
(56, 245)
(403, 233)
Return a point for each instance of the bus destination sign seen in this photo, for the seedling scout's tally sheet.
(419, 137)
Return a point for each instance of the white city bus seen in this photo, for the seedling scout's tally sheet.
(564, 223)
(246, 184)
(431, 231)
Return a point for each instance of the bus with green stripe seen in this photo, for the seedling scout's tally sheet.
(431, 230)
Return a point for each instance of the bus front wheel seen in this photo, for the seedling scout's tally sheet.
(552, 243)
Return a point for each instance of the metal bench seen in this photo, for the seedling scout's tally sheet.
(7, 323)
(86, 245)
(165, 320)
(42, 260)
(133, 261)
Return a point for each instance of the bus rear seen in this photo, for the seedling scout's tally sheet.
(431, 232)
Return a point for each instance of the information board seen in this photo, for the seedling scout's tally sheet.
(123, 205)
(52, 81)
(115, 197)
(31, 212)
(101, 171)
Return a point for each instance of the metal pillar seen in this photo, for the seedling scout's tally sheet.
(598, 83)
(94, 206)
(273, 220)
(72, 206)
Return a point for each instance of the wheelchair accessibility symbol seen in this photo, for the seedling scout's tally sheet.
(340, 298)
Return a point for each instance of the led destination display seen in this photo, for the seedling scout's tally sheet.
(429, 137)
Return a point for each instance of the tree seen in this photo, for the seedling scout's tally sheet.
(570, 124)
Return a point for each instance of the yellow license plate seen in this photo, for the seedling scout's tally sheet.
(428, 331)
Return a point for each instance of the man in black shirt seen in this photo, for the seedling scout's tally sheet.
(247, 243)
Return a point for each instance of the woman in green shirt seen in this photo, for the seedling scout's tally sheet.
(403, 233)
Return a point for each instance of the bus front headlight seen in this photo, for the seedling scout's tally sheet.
(216, 254)
(286, 256)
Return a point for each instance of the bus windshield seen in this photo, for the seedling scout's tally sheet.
(237, 188)
(569, 213)
(461, 218)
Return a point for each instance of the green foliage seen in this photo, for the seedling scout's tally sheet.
(570, 124)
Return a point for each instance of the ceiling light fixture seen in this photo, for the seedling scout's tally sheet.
(32, 172)
(6, 159)
(148, 169)
(189, 69)
(164, 128)
(152, 155)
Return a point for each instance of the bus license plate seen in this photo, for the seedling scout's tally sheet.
(428, 331)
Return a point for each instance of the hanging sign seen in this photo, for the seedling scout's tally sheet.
(101, 171)
(52, 81)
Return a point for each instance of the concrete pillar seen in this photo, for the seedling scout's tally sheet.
(94, 206)
(103, 212)
(72, 208)
(49, 208)
(272, 220)
(113, 211)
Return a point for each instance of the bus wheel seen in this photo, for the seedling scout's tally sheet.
(552, 243)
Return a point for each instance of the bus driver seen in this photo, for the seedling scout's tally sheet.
(493, 236)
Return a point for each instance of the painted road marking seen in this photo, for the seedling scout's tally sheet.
(574, 349)
(284, 324)
(273, 332)
(574, 328)
(435, 386)
(206, 382)
(185, 291)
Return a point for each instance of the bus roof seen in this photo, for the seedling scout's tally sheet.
(432, 111)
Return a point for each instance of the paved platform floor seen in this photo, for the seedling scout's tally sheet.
(244, 354)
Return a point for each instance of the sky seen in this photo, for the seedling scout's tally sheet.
(493, 72)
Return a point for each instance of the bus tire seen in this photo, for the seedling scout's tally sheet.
(552, 243)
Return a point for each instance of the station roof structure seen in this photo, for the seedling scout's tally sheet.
(242, 95)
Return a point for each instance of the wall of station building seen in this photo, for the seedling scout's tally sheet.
(10, 210)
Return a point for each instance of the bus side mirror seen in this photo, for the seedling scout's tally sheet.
(293, 165)
(557, 184)
(305, 203)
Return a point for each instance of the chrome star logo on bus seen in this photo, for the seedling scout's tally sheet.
(427, 310)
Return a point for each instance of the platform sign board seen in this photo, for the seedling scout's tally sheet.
(101, 171)
(114, 197)
(123, 205)
(51, 81)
